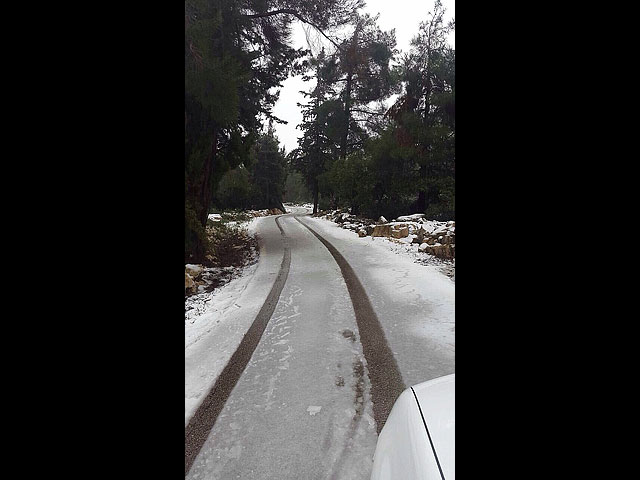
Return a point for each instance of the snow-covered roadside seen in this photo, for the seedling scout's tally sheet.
(404, 247)
(400, 246)
(218, 320)
(197, 304)
(414, 303)
(204, 310)
(212, 320)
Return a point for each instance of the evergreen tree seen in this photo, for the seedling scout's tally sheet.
(236, 52)
(425, 114)
(295, 188)
(406, 159)
(269, 172)
(334, 120)
(365, 75)
(315, 146)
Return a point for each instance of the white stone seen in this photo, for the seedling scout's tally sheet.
(411, 218)
(313, 409)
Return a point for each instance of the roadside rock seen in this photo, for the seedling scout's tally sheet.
(381, 231)
(343, 217)
(432, 237)
(420, 233)
(399, 231)
(411, 218)
(448, 238)
(441, 250)
(265, 212)
(193, 270)
(189, 284)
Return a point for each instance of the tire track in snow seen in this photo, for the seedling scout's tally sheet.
(386, 380)
(198, 428)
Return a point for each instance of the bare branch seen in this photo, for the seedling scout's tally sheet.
(272, 13)
(367, 112)
(288, 11)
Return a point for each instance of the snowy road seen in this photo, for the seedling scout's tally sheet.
(303, 407)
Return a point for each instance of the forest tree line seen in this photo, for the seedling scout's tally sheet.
(354, 151)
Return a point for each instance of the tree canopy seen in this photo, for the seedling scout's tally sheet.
(354, 151)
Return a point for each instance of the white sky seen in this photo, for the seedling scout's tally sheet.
(403, 15)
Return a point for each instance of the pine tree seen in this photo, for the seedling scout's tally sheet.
(365, 75)
(268, 174)
(425, 113)
(315, 146)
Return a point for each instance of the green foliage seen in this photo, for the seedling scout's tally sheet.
(233, 60)
(295, 190)
(261, 184)
(442, 205)
(269, 173)
(234, 190)
(228, 245)
(195, 237)
(379, 180)
(424, 116)
(402, 162)
(351, 182)
(353, 152)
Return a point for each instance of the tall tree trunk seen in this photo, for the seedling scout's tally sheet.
(200, 201)
(318, 152)
(421, 203)
(315, 196)
(347, 115)
(347, 100)
(205, 192)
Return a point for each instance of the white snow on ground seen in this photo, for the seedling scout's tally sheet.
(211, 336)
(415, 303)
(215, 323)
(302, 408)
(205, 310)
(404, 247)
(401, 246)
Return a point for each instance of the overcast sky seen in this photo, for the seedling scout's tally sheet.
(403, 15)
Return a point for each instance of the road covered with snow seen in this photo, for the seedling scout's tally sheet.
(303, 405)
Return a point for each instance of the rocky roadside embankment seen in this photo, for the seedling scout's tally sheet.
(233, 250)
(432, 237)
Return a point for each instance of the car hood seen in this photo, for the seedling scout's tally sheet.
(408, 450)
(436, 400)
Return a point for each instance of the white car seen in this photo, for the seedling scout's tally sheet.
(417, 441)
